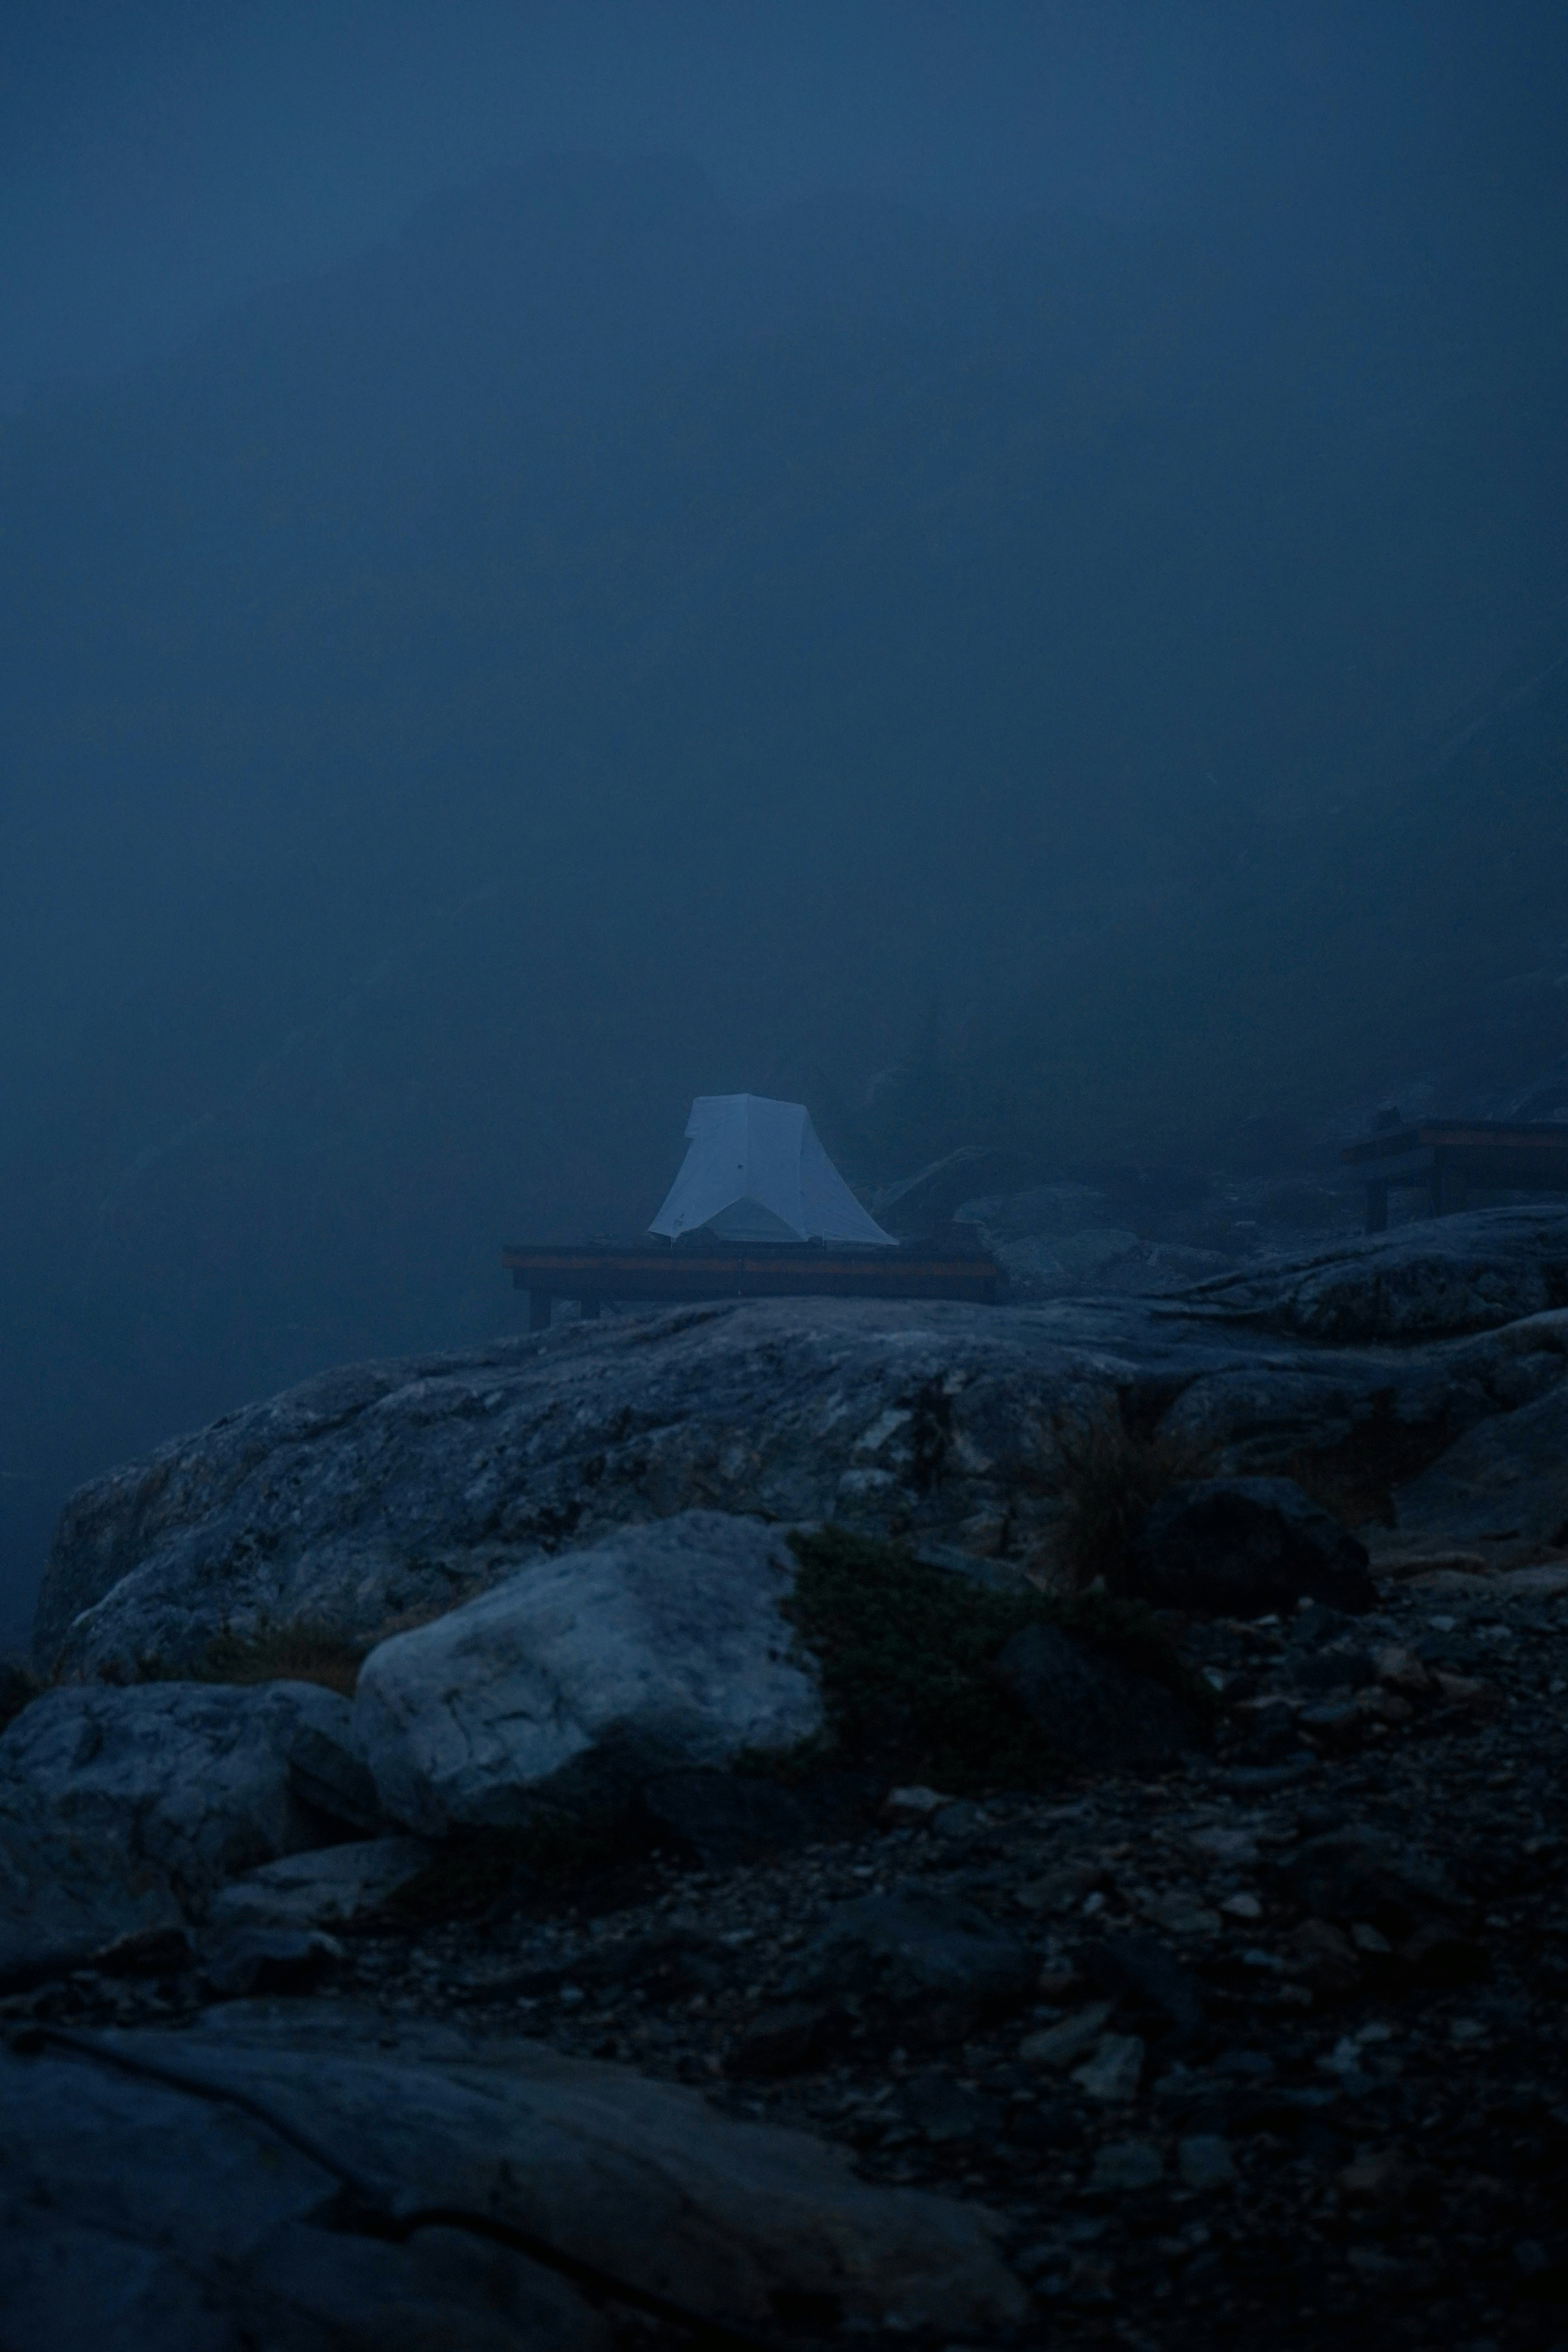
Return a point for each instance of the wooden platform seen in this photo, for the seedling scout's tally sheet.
(1452, 1159)
(659, 1273)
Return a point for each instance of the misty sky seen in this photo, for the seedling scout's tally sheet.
(159, 159)
(739, 593)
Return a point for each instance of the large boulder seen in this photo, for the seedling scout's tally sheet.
(199, 1780)
(68, 1896)
(579, 1678)
(256, 2182)
(1246, 1547)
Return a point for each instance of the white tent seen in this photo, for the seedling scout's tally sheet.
(754, 1171)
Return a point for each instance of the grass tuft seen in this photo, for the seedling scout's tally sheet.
(1110, 1477)
(300, 1651)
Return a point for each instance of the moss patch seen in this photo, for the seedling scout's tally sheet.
(906, 1653)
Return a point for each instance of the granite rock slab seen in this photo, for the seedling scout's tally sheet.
(291, 2137)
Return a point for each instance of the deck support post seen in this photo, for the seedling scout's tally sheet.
(1449, 1186)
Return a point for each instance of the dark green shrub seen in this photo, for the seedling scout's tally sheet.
(906, 1653)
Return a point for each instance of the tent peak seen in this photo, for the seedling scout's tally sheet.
(755, 1171)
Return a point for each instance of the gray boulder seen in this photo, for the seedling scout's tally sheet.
(265, 2188)
(582, 1676)
(197, 1780)
(66, 1896)
(1246, 1547)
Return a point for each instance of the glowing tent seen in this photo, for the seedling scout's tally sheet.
(754, 1171)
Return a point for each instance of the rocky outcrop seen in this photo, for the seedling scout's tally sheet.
(285, 2178)
(661, 1647)
(1435, 1278)
(394, 1491)
(195, 1780)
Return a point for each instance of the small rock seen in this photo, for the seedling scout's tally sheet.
(1464, 1690)
(1127, 2164)
(1058, 1984)
(1242, 1907)
(1440, 1956)
(933, 1965)
(1385, 2175)
(1061, 2045)
(313, 1890)
(1325, 1956)
(785, 2039)
(243, 1961)
(1339, 1729)
(1043, 2126)
(1141, 1972)
(946, 2114)
(150, 1952)
(909, 1808)
(1182, 1915)
(1400, 1670)
(1115, 2071)
(1205, 2161)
